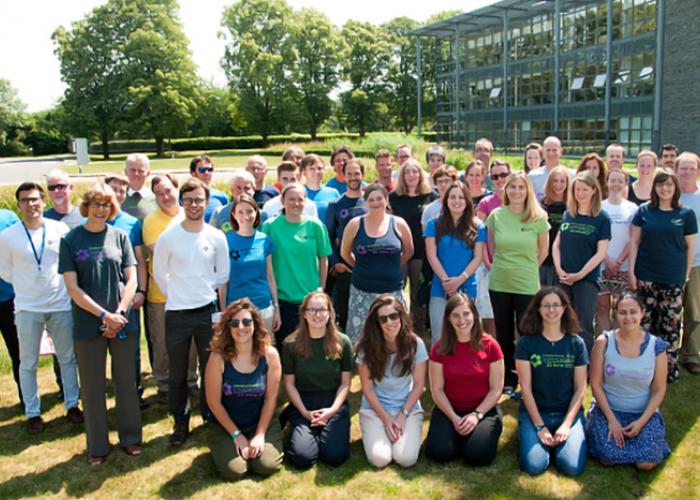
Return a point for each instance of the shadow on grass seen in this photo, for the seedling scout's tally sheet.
(199, 475)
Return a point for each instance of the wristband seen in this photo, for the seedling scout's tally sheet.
(235, 434)
(102, 314)
(538, 428)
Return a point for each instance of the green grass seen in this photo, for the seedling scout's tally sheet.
(54, 463)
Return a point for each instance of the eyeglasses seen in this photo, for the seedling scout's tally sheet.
(316, 311)
(97, 204)
(31, 200)
(57, 187)
(551, 306)
(193, 201)
(391, 316)
(235, 323)
(495, 177)
(205, 169)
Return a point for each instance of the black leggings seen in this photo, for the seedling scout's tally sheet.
(507, 308)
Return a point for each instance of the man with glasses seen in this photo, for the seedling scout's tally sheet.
(29, 260)
(257, 167)
(202, 168)
(139, 201)
(190, 262)
(60, 188)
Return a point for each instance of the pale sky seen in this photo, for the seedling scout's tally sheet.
(28, 62)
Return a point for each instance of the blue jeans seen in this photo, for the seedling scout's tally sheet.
(30, 326)
(569, 457)
(436, 310)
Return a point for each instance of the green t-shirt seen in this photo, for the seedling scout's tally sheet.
(295, 262)
(318, 372)
(515, 268)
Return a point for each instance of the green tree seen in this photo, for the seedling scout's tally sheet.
(258, 61)
(12, 119)
(401, 84)
(318, 46)
(218, 114)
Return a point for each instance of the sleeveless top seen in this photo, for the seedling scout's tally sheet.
(627, 381)
(243, 394)
(377, 260)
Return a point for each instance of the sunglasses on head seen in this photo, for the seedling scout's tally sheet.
(235, 323)
(205, 169)
(391, 316)
(57, 187)
(495, 177)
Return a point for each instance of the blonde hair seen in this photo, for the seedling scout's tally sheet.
(532, 211)
(590, 181)
(548, 185)
(103, 193)
(423, 184)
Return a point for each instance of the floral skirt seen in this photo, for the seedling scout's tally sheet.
(358, 307)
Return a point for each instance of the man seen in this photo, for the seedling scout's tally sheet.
(669, 154)
(242, 182)
(384, 164)
(257, 167)
(29, 260)
(202, 168)
(403, 153)
(687, 165)
(312, 168)
(7, 309)
(287, 173)
(614, 156)
(552, 158)
(139, 201)
(349, 205)
(169, 212)
(60, 188)
(190, 262)
(294, 154)
(339, 156)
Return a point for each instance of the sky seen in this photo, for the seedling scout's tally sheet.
(28, 61)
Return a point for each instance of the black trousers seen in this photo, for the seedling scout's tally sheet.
(289, 314)
(477, 448)
(341, 297)
(508, 310)
(180, 328)
(9, 335)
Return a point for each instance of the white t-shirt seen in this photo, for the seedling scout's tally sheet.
(273, 208)
(539, 176)
(431, 211)
(620, 220)
(38, 288)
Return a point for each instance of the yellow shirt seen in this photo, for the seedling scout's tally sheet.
(153, 226)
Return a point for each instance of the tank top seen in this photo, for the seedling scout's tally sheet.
(377, 260)
(243, 394)
(627, 381)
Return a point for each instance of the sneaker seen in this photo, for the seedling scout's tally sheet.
(180, 434)
(35, 425)
(75, 415)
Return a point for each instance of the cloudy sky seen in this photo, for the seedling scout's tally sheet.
(28, 61)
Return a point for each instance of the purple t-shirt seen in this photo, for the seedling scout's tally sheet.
(488, 205)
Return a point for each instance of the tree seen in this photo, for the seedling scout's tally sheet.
(12, 119)
(258, 61)
(218, 114)
(318, 46)
(402, 87)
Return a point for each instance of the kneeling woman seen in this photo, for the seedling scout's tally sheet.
(466, 381)
(317, 363)
(392, 361)
(241, 383)
(551, 361)
(628, 380)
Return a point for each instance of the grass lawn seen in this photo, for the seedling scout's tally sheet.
(54, 463)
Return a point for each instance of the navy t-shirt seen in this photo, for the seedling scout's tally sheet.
(265, 194)
(552, 367)
(662, 252)
(555, 212)
(410, 209)
(578, 241)
(338, 214)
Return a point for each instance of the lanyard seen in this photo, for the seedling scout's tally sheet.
(40, 255)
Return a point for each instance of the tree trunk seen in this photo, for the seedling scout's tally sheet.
(105, 146)
(160, 146)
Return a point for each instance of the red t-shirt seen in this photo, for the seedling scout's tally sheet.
(466, 372)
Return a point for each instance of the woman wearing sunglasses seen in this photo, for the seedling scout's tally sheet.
(391, 360)
(317, 363)
(241, 383)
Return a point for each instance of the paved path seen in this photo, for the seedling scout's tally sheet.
(27, 169)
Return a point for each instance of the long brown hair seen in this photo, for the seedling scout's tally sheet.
(222, 342)
(602, 170)
(372, 344)
(466, 228)
(532, 323)
(301, 338)
(448, 338)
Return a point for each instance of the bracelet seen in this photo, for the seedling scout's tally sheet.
(404, 412)
(538, 428)
(102, 314)
(235, 434)
(141, 291)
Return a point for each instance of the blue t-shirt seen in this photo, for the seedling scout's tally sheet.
(338, 214)
(322, 197)
(578, 241)
(552, 368)
(7, 219)
(662, 252)
(248, 277)
(393, 389)
(454, 255)
(130, 225)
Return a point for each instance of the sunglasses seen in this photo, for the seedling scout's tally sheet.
(57, 187)
(391, 316)
(235, 323)
(495, 177)
(205, 169)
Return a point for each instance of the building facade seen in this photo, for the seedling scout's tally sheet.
(590, 72)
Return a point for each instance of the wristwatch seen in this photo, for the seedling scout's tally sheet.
(405, 412)
(479, 415)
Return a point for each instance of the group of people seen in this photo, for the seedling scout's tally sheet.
(298, 281)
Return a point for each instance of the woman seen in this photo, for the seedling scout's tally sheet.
(551, 361)
(596, 166)
(250, 252)
(615, 265)
(455, 245)
(317, 364)
(518, 238)
(662, 246)
(98, 267)
(391, 361)
(580, 247)
(466, 381)
(412, 193)
(474, 176)
(533, 157)
(554, 203)
(628, 381)
(376, 246)
(300, 260)
(640, 191)
(242, 380)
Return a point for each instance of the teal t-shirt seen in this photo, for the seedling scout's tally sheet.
(317, 372)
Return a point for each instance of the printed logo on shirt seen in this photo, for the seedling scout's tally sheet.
(677, 222)
(84, 254)
(552, 360)
(535, 360)
(577, 228)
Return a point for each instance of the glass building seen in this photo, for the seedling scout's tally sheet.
(590, 72)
